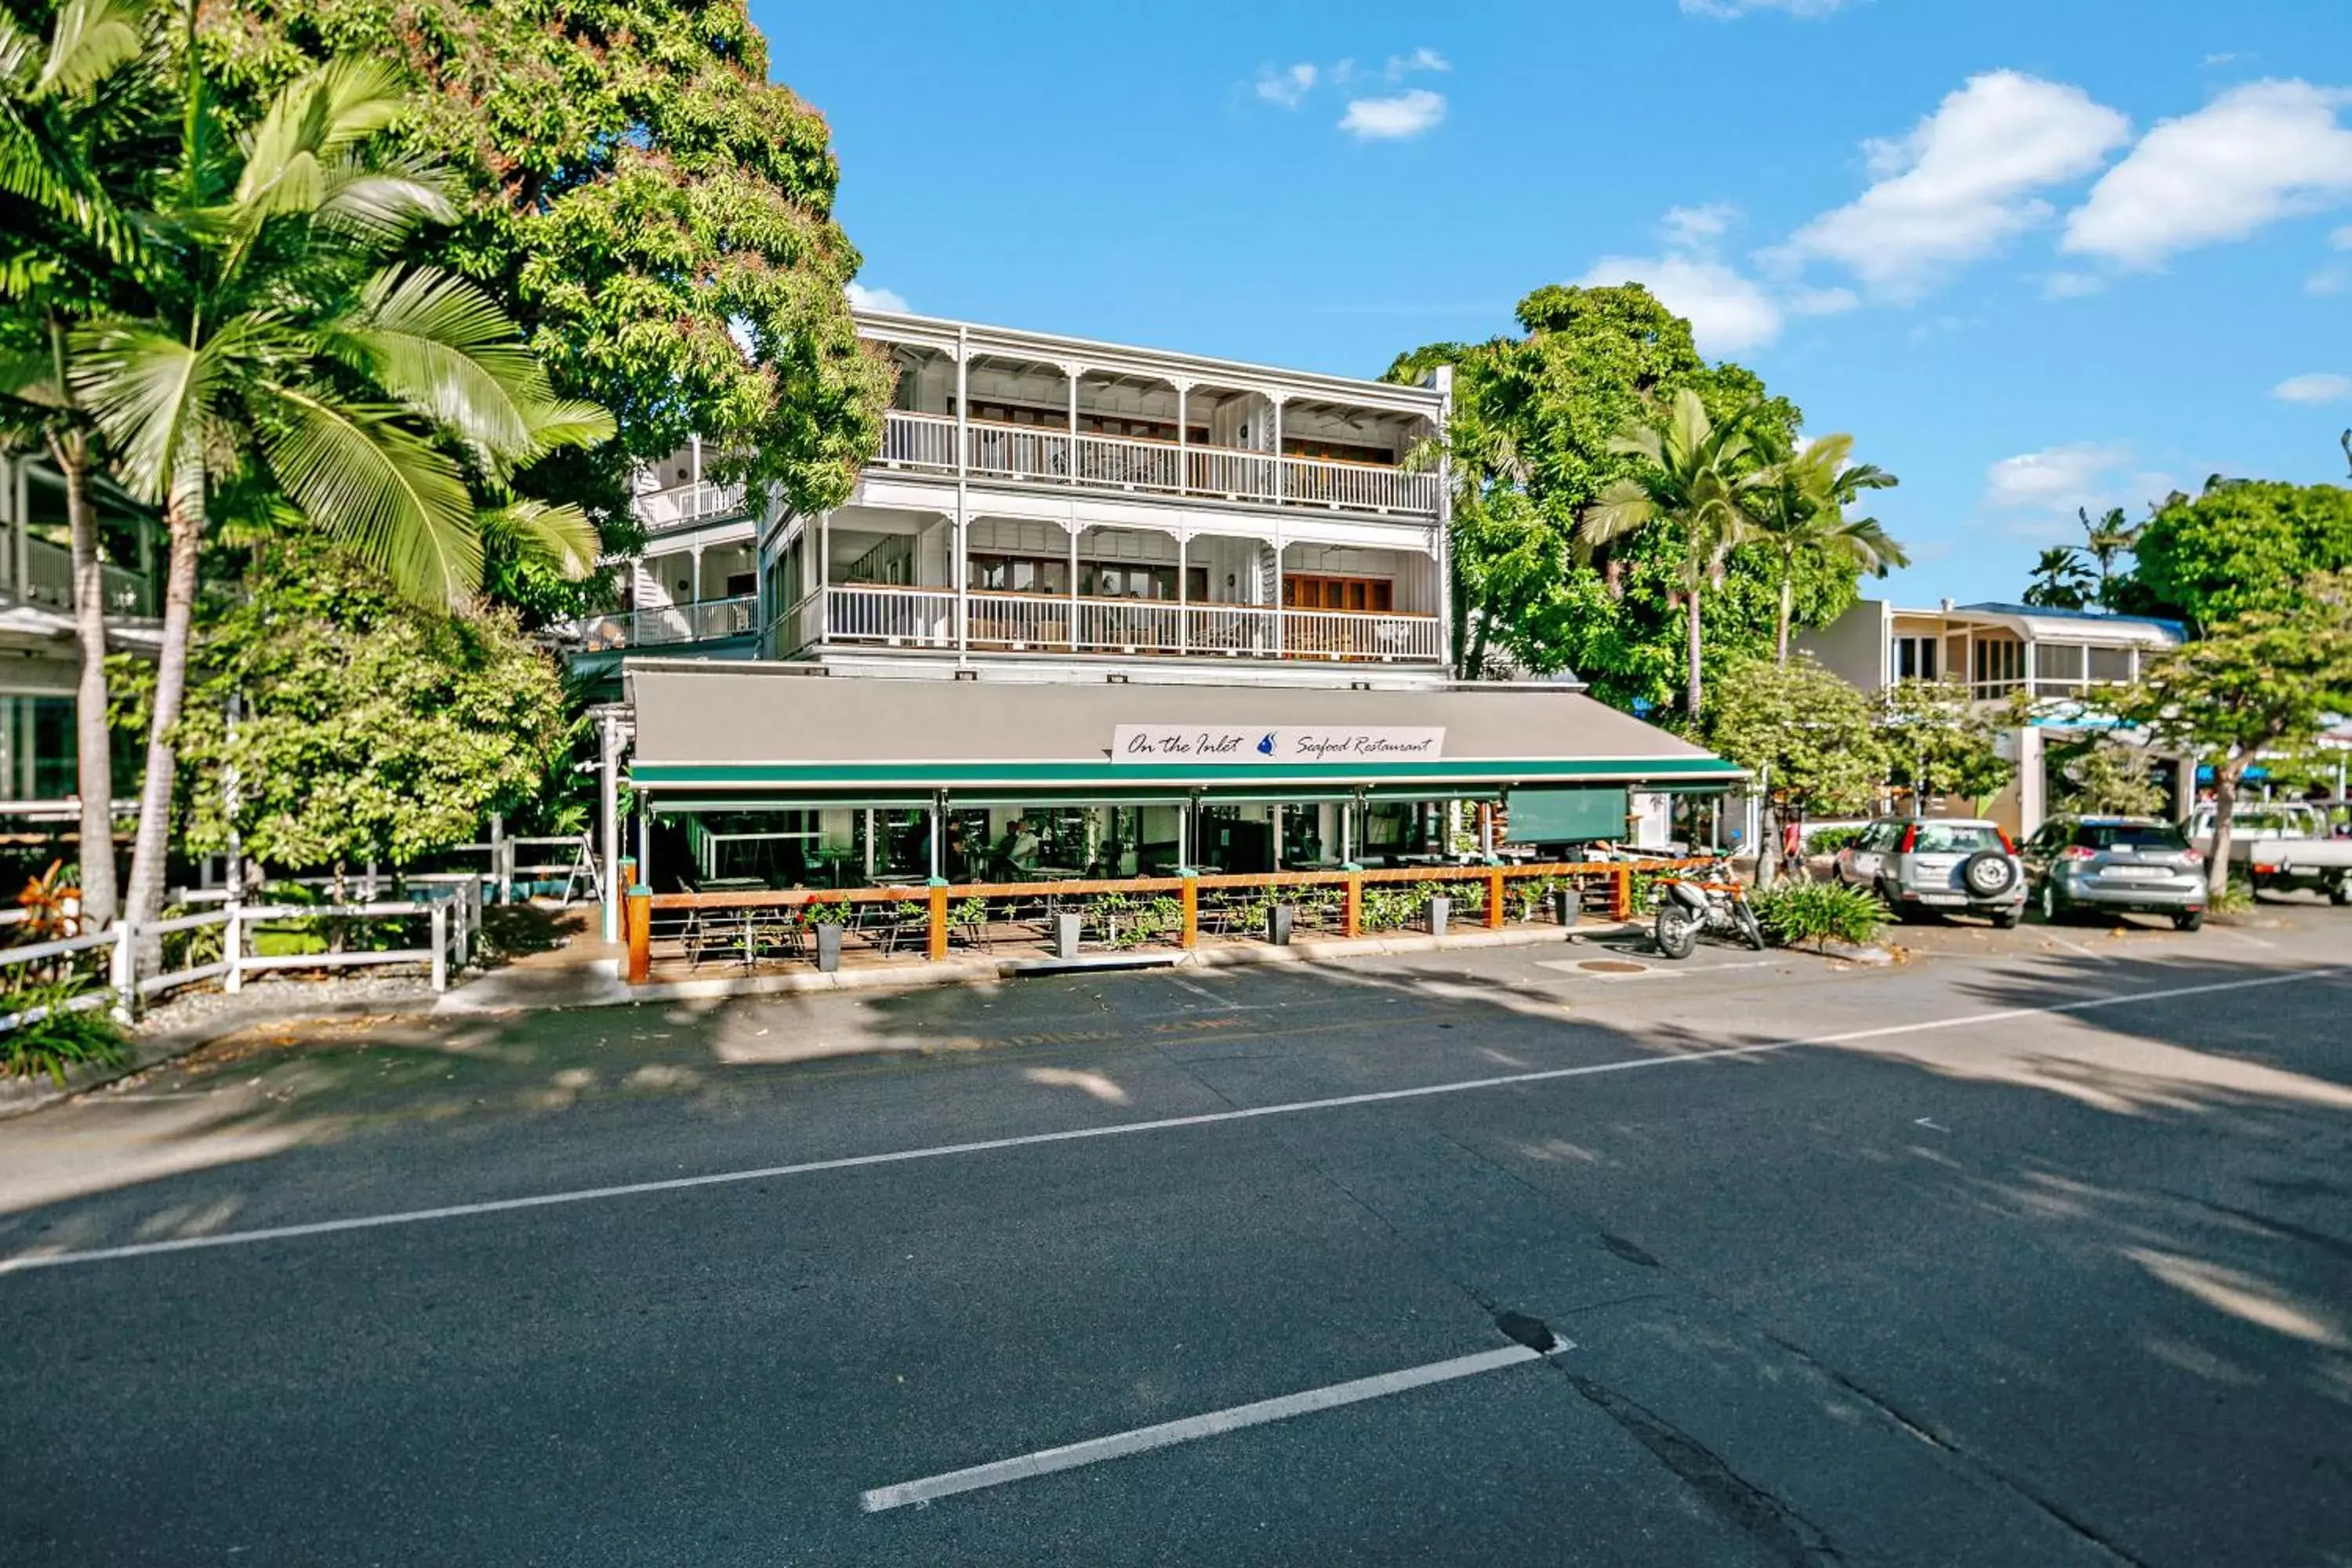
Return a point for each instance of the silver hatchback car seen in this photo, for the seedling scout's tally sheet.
(2115, 864)
(1938, 863)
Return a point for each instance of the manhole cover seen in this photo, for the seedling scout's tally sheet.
(1613, 966)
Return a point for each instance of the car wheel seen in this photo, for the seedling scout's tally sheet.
(2188, 920)
(1677, 931)
(2052, 912)
(1894, 902)
(2340, 890)
(1988, 874)
(2006, 920)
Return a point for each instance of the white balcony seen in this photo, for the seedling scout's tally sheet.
(48, 582)
(666, 624)
(1126, 465)
(876, 616)
(682, 506)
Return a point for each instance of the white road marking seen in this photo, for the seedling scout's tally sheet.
(25, 1260)
(1143, 1439)
(1935, 1126)
(1574, 967)
(1199, 991)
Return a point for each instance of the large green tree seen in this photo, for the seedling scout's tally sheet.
(266, 361)
(2243, 544)
(1697, 480)
(1530, 448)
(332, 722)
(2263, 681)
(1939, 740)
(1809, 737)
(72, 128)
(1798, 513)
(655, 212)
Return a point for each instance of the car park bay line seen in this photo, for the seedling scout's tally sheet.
(1213, 1423)
(23, 1261)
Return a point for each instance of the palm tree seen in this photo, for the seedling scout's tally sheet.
(1800, 510)
(2106, 539)
(1698, 480)
(276, 352)
(62, 115)
(2060, 580)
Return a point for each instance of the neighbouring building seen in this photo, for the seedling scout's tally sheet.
(1094, 609)
(1999, 651)
(40, 661)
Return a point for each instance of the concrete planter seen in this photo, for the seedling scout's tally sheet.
(1066, 936)
(828, 948)
(1279, 919)
(1440, 914)
(1568, 905)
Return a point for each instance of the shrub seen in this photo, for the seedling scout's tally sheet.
(1810, 911)
(61, 1035)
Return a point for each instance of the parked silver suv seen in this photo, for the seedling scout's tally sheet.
(1938, 863)
(2117, 863)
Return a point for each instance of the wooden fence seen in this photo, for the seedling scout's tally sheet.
(1175, 910)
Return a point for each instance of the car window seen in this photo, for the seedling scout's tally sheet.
(1955, 838)
(2129, 836)
(1876, 838)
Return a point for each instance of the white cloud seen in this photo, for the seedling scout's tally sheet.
(1394, 119)
(2342, 239)
(1730, 9)
(2257, 153)
(2317, 387)
(1821, 301)
(1422, 59)
(2224, 59)
(2072, 285)
(861, 297)
(1963, 182)
(1687, 228)
(2041, 490)
(1728, 313)
(1288, 86)
(2328, 280)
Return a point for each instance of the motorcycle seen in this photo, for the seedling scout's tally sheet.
(1689, 909)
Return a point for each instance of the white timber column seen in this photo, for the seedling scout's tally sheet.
(1074, 526)
(1277, 401)
(1183, 474)
(1443, 381)
(697, 553)
(1183, 605)
(608, 812)
(694, 449)
(1279, 642)
(823, 598)
(1072, 370)
(961, 574)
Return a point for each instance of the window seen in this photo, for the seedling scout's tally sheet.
(1999, 664)
(1124, 580)
(2111, 664)
(1955, 838)
(1915, 658)
(37, 748)
(1374, 595)
(2057, 662)
(1020, 574)
(2129, 836)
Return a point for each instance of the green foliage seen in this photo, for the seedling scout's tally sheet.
(1532, 445)
(2102, 776)
(2243, 545)
(2060, 580)
(57, 1036)
(636, 192)
(1796, 912)
(1936, 741)
(1809, 736)
(1830, 840)
(370, 728)
(2260, 680)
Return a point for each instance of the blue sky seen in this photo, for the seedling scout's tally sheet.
(2033, 256)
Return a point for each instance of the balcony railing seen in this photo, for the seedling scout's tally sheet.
(869, 616)
(48, 581)
(687, 504)
(1039, 454)
(666, 624)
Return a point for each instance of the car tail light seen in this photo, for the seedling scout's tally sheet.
(1910, 837)
(2081, 852)
(2006, 846)
(2265, 870)
(2192, 856)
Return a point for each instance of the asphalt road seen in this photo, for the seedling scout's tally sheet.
(2037, 1250)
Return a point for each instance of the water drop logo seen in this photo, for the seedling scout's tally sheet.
(1265, 746)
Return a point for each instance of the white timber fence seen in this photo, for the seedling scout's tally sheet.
(128, 964)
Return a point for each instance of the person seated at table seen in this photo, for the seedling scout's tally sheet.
(1017, 851)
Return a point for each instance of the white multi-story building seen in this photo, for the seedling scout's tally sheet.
(1051, 508)
(1100, 610)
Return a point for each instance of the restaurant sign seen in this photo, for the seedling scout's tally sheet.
(1220, 745)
